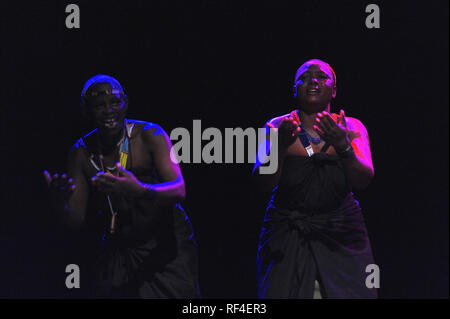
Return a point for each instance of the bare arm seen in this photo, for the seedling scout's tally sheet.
(78, 201)
(286, 128)
(358, 165)
(172, 188)
(266, 182)
(69, 194)
(343, 133)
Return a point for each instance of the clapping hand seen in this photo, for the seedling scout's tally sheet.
(126, 183)
(334, 132)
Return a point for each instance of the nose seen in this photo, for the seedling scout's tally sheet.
(109, 107)
(106, 109)
(314, 80)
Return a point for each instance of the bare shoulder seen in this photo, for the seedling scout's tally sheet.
(276, 121)
(356, 125)
(76, 151)
(78, 156)
(83, 145)
(145, 128)
(87, 143)
(151, 133)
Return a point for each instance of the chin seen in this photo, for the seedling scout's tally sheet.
(109, 131)
(113, 131)
(313, 107)
(110, 128)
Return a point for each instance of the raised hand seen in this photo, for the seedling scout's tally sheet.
(287, 130)
(60, 186)
(334, 132)
(125, 184)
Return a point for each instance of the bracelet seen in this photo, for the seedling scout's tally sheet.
(347, 152)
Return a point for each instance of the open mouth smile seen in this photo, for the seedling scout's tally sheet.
(312, 91)
(110, 122)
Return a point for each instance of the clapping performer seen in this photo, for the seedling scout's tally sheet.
(313, 230)
(120, 198)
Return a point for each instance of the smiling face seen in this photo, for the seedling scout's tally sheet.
(106, 109)
(315, 85)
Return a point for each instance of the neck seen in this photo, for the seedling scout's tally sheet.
(308, 119)
(111, 140)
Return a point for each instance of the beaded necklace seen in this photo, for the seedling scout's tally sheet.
(123, 151)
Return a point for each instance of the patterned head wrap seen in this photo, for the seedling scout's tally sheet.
(115, 87)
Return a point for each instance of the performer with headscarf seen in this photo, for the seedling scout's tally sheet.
(313, 229)
(120, 198)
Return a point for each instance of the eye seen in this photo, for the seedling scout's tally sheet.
(116, 103)
(303, 78)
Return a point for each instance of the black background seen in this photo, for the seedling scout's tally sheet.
(230, 65)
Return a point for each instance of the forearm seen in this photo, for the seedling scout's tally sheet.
(168, 192)
(267, 182)
(66, 217)
(359, 174)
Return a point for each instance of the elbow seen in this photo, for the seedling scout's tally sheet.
(369, 177)
(262, 185)
(363, 181)
(265, 187)
(171, 194)
(181, 194)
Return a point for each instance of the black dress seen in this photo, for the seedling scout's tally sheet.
(152, 254)
(313, 229)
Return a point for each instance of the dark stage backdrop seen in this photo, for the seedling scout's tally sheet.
(230, 65)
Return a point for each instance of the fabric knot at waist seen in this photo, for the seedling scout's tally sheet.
(309, 220)
(305, 222)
